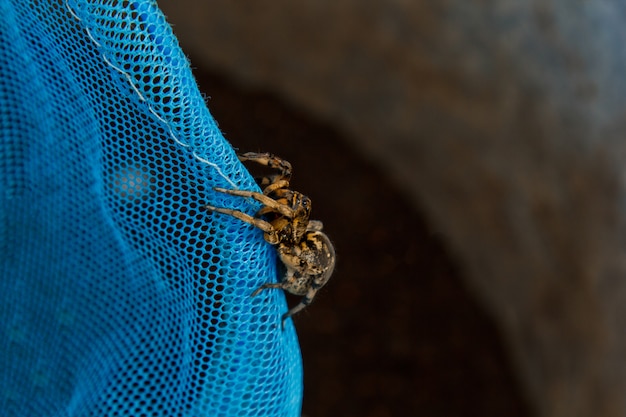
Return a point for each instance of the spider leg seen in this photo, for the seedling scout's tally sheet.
(274, 185)
(282, 285)
(266, 286)
(282, 197)
(272, 285)
(259, 223)
(270, 182)
(265, 210)
(268, 160)
(316, 284)
(315, 226)
(261, 198)
(306, 300)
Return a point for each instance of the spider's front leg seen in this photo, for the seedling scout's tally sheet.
(267, 227)
(261, 198)
(270, 182)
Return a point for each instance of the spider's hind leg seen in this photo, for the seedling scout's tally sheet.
(314, 226)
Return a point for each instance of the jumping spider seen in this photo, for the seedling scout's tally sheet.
(306, 252)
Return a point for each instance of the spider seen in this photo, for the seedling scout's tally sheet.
(306, 252)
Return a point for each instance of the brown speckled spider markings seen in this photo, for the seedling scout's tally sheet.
(306, 252)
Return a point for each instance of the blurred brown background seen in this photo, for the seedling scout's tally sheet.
(466, 157)
(394, 332)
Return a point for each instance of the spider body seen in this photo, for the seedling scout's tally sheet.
(289, 227)
(306, 252)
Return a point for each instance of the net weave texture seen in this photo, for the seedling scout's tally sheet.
(120, 295)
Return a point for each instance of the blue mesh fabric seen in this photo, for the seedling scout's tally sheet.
(120, 295)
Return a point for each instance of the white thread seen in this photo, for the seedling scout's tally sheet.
(67, 4)
(169, 129)
(142, 98)
(92, 38)
(219, 171)
(128, 78)
(184, 145)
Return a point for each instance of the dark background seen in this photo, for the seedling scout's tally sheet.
(394, 332)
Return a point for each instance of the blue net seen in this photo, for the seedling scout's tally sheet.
(120, 295)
